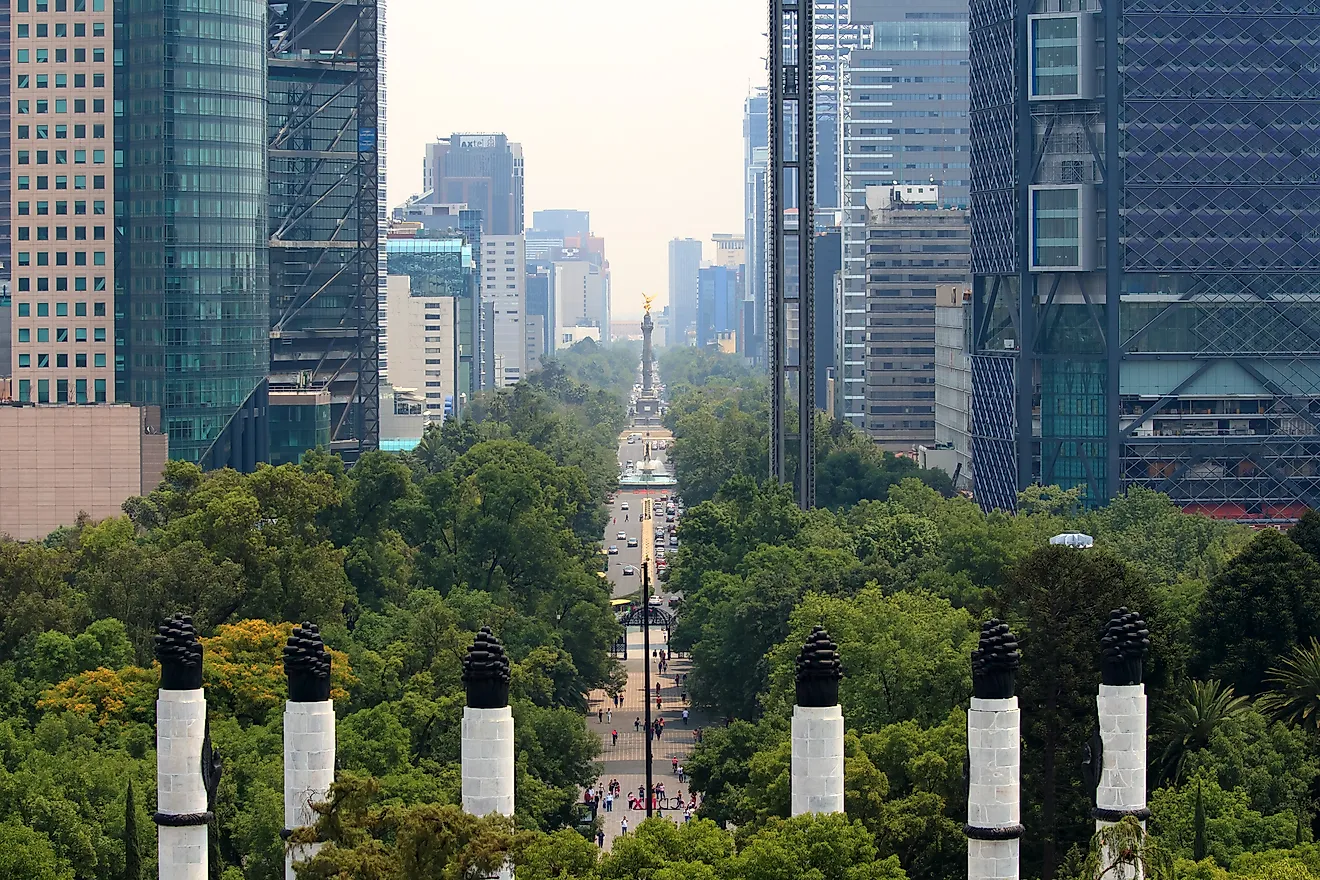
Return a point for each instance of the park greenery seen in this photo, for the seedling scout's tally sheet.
(496, 519)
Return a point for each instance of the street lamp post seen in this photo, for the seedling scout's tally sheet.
(646, 662)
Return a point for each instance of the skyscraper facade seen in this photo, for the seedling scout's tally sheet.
(904, 121)
(684, 266)
(834, 35)
(719, 292)
(326, 77)
(504, 291)
(1147, 296)
(191, 281)
(755, 162)
(483, 171)
(63, 271)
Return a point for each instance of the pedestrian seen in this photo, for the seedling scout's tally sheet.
(657, 704)
(684, 696)
(687, 815)
(657, 688)
(614, 735)
(685, 717)
(623, 826)
(674, 762)
(600, 839)
(609, 716)
(609, 803)
(682, 777)
(600, 715)
(641, 792)
(637, 724)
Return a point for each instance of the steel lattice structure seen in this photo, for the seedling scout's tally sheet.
(326, 143)
(791, 301)
(1186, 357)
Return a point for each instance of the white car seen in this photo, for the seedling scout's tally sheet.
(614, 550)
(623, 506)
(621, 536)
(632, 542)
(628, 571)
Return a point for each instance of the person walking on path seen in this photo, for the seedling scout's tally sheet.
(623, 826)
(609, 802)
(685, 717)
(600, 838)
(637, 724)
(600, 716)
(609, 716)
(614, 735)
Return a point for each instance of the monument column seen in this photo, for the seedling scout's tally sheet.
(187, 771)
(1120, 767)
(994, 761)
(309, 736)
(487, 746)
(648, 327)
(816, 779)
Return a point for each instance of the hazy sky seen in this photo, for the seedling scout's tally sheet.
(630, 110)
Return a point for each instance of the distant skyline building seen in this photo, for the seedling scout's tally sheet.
(483, 171)
(1146, 195)
(719, 295)
(730, 249)
(835, 34)
(915, 246)
(756, 160)
(564, 221)
(904, 121)
(579, 298)
(684, 265)
(504, 293)
(953, 377)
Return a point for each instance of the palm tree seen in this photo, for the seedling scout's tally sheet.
(1295, 697)
(1205, 707)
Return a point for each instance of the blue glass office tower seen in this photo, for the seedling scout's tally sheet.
(191, 283)
(756, 124)
(1147, 296)
(719, 299)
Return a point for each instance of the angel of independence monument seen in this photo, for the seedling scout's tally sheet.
(647, 409)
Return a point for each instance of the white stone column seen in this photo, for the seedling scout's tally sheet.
(180, 792)
(817, 765)
(488, 766)
(1122, 784)
(309, 769)
(994, 812)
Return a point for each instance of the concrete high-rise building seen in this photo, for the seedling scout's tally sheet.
(684, 264)
(730, 250)
(436, 269)
(421, 345)
(504, 292)
(1147, 270)
(953, 378)
(483, 171)
(755, 162)
(904, 121)
(835, 33)
(191, 278)
(579, 298)
(537, 299)
(63, 270)
(914, 246)
(325, 66)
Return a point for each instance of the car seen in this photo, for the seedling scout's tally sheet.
(621, 536)
(656, 601)
(632, 440)
(623, 506)
(669, 517)
(673, 540)
(629, 571)
(632, 542)
(614, 550)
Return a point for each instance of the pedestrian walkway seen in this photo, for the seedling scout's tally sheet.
(626, 760)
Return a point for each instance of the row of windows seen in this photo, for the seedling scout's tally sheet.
(62, 308)
(62, 106)
(61, 181)
(43, 56)
(61, 233)
(61, 156)
(61, 5)
(61, 284)
(61, 391)
(25, 80)
(61, 335)
(61, 258)
(61, 132)
(79, 207)
(61, 29)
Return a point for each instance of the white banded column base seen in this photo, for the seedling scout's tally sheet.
(817, 767)
(488, 766)
(1121, 792)
(180, 794)
(309, 770)
(994, 810)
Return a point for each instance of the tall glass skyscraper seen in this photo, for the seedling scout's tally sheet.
(191, 282)
(834, 35)
(1147, 296)
(904, 122)
(756, 129)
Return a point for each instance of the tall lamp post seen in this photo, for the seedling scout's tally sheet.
(646, 645)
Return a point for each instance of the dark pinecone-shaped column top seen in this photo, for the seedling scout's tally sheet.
(1124, 644)
(819, 671)
(179, 653)
(995, 662)
(486, 673)
(307, 664)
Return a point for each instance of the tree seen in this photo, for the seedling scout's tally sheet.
(1231, 825)
(1198, 826)
(1202, 709)
(1057, 599)
(1266, 601)
(132, 842)
(1305, 533)
(1295, 683)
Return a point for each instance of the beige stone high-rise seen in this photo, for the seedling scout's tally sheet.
(62, 172)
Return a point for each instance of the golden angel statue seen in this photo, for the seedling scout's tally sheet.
(646, 302)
